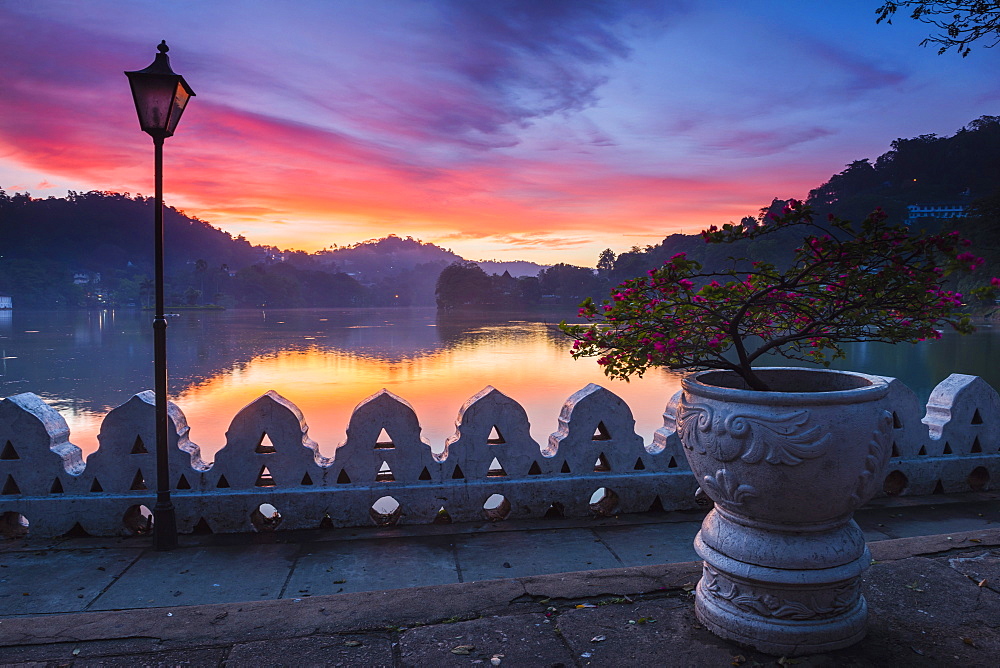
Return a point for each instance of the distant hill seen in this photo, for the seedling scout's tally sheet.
(517, 268)
(389, 256)
(95, 249)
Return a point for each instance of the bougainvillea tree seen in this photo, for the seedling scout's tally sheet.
(871, 282)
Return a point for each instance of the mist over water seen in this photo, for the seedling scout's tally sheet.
(326, 361)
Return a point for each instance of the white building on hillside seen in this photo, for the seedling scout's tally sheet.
(938, 210)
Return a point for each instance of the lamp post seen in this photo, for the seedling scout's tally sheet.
(160, 96)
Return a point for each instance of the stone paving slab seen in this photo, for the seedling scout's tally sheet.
(651, 543)
(185, 657)
(201, 575)
(928, 519)
(648, 633)
(47, 581)
(327, 568)
(516, 640)
(524, 553)
(322, 650)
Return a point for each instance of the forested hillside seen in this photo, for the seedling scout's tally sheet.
(963, 169)
(96, 248)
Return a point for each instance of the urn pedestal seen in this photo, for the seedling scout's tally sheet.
(786, 470)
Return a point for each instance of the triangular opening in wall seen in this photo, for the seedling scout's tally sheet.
(442, 516)
(306, 480)
(656, 506)
(10, 486)
(223, 483)
(556, 511)
(182, 483)
(326, 522)
(565, 468)
(672, 464)
(76, 531)
(938, 488)
(202, 528)
(639, 466)
(976, 447)
(601, 465)
(384, 441)
(264, 478)
(96, 486)
(601, 433)
(343, 478)
(457, 474)
(922, 451)
(424, 475)
(57, 487)
(896, 423)
(496, 470)
(535, 469)
(264, 445)
(385, 474)
(947, 448)
(495, 437)
(9, 452)
(895, 450)
(138, 447)
(977, 418)
(138, 482)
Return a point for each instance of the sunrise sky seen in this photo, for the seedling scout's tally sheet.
(543, 130)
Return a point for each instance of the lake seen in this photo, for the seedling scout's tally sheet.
(326, 361)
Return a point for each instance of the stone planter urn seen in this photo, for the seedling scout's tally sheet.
(786, 470)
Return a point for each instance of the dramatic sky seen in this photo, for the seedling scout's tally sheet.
(512, 129)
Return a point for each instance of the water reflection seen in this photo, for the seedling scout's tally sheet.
(328, 360)
(324, 360)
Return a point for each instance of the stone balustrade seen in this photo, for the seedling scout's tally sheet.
(270, 474)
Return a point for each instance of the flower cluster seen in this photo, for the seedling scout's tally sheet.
(873, 282)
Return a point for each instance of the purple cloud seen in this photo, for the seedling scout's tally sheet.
(505, 63)
(757, 143)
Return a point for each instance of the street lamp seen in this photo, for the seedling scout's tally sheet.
(160, 96)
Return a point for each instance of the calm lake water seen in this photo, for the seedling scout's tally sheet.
(326, 361)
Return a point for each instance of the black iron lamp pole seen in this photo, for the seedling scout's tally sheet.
(160, 96)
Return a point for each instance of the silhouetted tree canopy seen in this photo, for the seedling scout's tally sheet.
(961, 22)
(464, 284)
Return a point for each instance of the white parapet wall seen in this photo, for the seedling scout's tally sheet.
(270, 474)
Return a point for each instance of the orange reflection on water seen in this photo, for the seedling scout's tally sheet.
(523, 360)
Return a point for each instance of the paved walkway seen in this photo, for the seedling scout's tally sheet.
(538, 593)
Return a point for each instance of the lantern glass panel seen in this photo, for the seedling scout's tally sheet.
(154, 98)
(180, 100)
